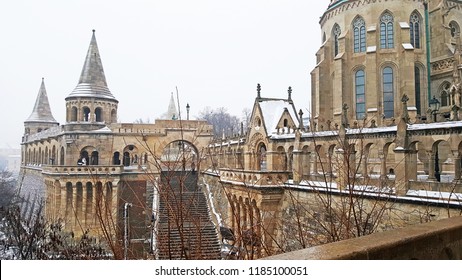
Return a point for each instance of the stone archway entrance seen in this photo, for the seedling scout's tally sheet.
(180, 155)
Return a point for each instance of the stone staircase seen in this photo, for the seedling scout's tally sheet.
(185, 229)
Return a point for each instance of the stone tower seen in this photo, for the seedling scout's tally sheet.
(41, 117)
(91, 102)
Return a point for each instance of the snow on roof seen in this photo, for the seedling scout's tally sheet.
(272, 111)
(436, 125)
(435, 195)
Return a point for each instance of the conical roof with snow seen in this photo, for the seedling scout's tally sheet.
(41, 112)
(92, 82)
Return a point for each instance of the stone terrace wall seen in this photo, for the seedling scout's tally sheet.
(431, 241)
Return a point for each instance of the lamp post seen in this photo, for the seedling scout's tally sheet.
(187, 111)
(434, 107)
(126, 222)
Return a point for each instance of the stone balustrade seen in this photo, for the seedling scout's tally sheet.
(254, 177)
(82, 170)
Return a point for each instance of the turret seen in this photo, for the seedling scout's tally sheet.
(91, 101)
(41, 117)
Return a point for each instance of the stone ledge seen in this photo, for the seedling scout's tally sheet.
(430, 241)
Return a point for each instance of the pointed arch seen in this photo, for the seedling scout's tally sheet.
(360, 94)
(388, 90)
(454, 28)
(359, 34)
(336, 31)
(444, 93)
(415, 23)
(386, 31)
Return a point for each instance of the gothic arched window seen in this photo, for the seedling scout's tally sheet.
(336, 34)
(360, 92)
(445, 94)
(454, 27)
(388, 92)
(359, 33)
(386, 31)
(414, 23)
(417, 85)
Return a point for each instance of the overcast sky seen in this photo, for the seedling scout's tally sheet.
(214, 51)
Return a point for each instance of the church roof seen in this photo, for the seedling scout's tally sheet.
(272, 110)
(92, 82)
(41, 111)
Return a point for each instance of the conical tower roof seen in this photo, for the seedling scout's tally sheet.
(172, 113)
(41, 112)
(92, 82)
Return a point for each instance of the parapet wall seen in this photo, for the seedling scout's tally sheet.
(439, 240)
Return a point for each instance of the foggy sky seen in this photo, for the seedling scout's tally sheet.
(214, 51)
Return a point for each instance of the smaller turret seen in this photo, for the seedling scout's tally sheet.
(41, 117)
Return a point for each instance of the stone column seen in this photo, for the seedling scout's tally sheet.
(297, 167)
(364, 166)
(383, 166)
(457, 167)
(314, 161)
(405, 169)
(431, 167)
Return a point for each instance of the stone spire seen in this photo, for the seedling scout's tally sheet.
(172, 113)
(41, 112)
(92, 82)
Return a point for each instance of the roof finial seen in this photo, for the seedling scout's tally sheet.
(258, 91)
(93, 31)
(290, 93)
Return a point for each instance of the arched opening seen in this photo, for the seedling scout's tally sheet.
(336, 31)
(359, 35)
(360, 93)
(454, 28)
(441, 164)
(415, 33)
(386, 31)
(180, 155)
(126, 159)
(116, 158)
(73, 114)
(61, 156)
(113, 116)
(388, 89)
(94, 158)
(53, 156)
(261, 157)
(84, 158)
(130, 155)
(444, 92)
(99, 114)
(86, 114)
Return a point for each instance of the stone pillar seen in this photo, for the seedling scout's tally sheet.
(271, 161)
(405, 169)
(431, 167)
(383, 166)
(314, 161)
(364, 167)
(297, 167)
(457, 167)
(306, 164)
